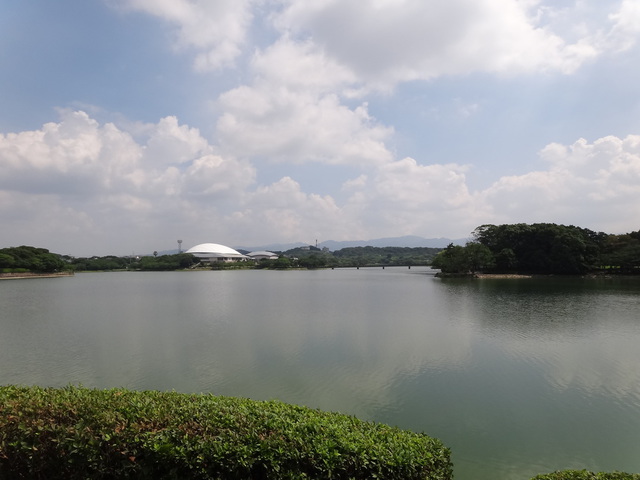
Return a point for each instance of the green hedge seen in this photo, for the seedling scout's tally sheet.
(585, 475)
(74, 433)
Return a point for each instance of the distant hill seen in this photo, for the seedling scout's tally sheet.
(406, 241)
(272, 247)
(164, 252)
(412, 241)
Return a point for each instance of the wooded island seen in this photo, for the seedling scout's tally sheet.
(542, 248)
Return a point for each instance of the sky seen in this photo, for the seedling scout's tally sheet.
(126, 125)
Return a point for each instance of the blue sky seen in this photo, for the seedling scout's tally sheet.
(127, 124)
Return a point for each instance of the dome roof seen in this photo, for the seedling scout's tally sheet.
(212, 249)
(261, 253)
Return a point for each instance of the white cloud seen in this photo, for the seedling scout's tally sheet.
(217, 30)
(626, 26)
(391, 41)
(79, 175)
(170, 143)
(290, 113)
(293, 127)
(213, 177)
(301, 66)
(65, 158)
(404, 196)
(394, 41)
(283, 212)
(43, 221)
(377, 44)
(591, 185)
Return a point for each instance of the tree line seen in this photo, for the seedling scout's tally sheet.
(40, 260)
(34, 259)
(312, 257)
(30, 259)
(177, 261)
(542, 248)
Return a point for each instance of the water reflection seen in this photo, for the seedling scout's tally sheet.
(581, 331)
(562, 358)
(518, 377)
(341, 343)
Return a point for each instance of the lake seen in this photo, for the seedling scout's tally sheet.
(516, 376)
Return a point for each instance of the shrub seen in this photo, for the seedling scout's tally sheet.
(585, 475)
(76, 432)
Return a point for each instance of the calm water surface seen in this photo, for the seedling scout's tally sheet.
(517, 377)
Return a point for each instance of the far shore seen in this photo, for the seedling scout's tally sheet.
(22, 275)
(484, 276)
(501, 275)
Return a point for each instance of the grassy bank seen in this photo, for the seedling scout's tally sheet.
(81, 433)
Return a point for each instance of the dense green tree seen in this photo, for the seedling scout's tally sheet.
(359, 256)
(167, 262)
(312, 261)
(109, 262)
(282, 262)
(541, 247)
(451, 260)
(50, 262)
(6, 260)
(185, 260)
(478, 256)
(506, 260)
(622, 252)
(471, 258)
(31, 258)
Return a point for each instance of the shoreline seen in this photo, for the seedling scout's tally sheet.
(516, 276)
(23, 275)
(502, 275)
(487, 276)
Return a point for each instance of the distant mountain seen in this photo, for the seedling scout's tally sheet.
(272, 247)
(406, 241)
(163, 252)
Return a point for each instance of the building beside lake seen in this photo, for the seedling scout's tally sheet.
(262, 255)
(214, 252)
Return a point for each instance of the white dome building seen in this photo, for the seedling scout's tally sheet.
(213, 252)
(262, 254)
